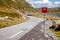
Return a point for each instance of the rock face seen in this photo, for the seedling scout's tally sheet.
(58, 28)
(52, 27)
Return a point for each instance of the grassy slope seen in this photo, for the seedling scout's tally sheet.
(22, 5)
(14, 17)
(54, 12)
(56, 33)
(51, 11)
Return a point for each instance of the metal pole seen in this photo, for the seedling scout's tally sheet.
(44, 23)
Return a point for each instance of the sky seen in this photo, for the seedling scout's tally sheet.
(44, 3)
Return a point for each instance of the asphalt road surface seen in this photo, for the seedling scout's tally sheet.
(16, 32)
(35, 34)
(30, 30)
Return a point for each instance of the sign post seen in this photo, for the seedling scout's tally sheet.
(44, 11)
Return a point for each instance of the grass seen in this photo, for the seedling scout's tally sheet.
(13, 18)
(47, 16)
(11, 21)
(56, 33)
(54, 12)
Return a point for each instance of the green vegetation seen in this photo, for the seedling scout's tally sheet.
(13, 18)
(54, 12)
(21, 5)
(7, 8)
(56, 33)
(51, 10)
(56, 30)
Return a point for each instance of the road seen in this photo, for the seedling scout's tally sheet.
(17, 31)
(37, 34)
(30, 30)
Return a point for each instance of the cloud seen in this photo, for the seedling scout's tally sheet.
(30, 1)
(56, 2)
(45, 1)
(41, 3)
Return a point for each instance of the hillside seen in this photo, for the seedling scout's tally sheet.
(21, 5)
(55, 10)
(11, 12)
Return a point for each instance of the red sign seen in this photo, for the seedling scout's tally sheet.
(44, 9)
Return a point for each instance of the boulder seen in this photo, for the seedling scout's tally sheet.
(58, 28)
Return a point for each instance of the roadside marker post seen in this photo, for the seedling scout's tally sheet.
(44, 11)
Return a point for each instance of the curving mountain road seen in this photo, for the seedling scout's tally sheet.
(30, 30)
(17, 31)
(37, 34)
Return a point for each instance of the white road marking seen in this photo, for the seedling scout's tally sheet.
(46, 35)
(16, 34)
(42, 31)
(33, 38)
(31, 23)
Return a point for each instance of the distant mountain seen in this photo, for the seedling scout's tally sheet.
(52, 10)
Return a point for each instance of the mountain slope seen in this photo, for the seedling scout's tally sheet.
(16, 6)
(21, 5)
(13, 11)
